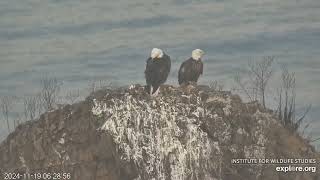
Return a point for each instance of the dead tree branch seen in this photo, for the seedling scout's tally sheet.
(6, 103)
(49, 92)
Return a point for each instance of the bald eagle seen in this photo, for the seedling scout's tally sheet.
(191, 69)
(157, 70)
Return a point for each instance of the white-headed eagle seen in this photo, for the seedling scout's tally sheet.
(191, 69)
(157, 70)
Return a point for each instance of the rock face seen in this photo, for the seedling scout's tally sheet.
(184, 133)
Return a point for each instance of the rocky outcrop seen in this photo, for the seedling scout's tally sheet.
(184, 133)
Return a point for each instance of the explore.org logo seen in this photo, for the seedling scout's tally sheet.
(291, 168)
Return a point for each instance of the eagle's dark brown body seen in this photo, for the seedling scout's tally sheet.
(190, 71)
(157, 71)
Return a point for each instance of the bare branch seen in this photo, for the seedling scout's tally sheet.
(49, 92)
(30, 107)
(287, 102)
(314, 140)
(216, 86)
(260, 74)
(238, 80)
(72, 96)
(6, 104)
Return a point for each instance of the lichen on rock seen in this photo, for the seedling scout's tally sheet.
(162, 136)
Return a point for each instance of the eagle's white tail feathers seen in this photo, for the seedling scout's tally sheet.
(155, 93)
(151, 89)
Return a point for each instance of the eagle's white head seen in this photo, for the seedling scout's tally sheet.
(197, 54)
(156, 53)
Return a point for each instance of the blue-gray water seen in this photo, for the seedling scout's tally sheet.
(78, 41)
